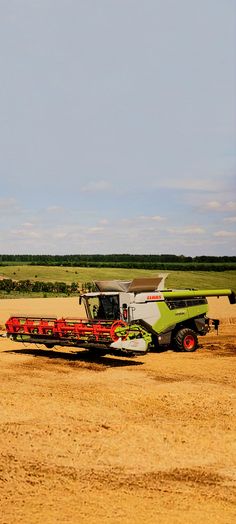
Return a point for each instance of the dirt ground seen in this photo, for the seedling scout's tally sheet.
(117, 440)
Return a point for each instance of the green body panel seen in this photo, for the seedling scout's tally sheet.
(170, 317)
(196, 293)
(133, 331)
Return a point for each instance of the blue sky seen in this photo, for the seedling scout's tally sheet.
(118, 126)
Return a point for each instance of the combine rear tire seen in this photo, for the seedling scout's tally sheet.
(186, 340)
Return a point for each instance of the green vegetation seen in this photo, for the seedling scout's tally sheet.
(202, 279)
(59, 281)
(44, 273)
(144, 262)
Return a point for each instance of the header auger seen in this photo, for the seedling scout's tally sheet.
(126, 318)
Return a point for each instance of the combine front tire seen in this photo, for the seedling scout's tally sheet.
(186, 340)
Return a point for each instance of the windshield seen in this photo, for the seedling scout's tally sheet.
(105, 307)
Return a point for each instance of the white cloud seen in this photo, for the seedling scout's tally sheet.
(215, 205)
(100, 185)
(55, 209)
(94, 230)
(41, 233)
(27, 224)
(25, 233)
(60, 235)
(103, 222)
(230, 219)
(144, 221)
(223, 233)
(8, 206)
(193, 182)
(230, 206)
(155, 218)
(191, 230)
(7, 202)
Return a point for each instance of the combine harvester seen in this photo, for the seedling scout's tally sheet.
(126, 318)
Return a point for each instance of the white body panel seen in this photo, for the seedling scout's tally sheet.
(147, 311)
(137, 345)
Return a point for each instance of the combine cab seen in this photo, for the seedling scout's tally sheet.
(127, 318)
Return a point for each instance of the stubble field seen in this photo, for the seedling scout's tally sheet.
(117, 440)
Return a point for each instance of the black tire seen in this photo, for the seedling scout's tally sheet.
(155, 345)
(186, 340)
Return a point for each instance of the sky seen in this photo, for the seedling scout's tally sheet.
(117, 127)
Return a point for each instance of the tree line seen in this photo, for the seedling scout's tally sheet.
(7, 285)
(127, 261)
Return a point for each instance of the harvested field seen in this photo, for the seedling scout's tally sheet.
(117, 440)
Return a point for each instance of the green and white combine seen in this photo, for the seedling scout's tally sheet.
(149, 316)
(125, 318)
